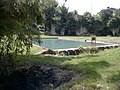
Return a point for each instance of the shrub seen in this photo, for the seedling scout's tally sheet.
(93, 50)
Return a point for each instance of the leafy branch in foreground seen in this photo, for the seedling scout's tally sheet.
(16, 24)
(16, 31)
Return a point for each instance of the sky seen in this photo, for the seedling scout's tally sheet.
(92, 6)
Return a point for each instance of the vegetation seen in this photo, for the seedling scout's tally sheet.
(22, 20)
(100, 71)
(35, 49)
(16, 24)
(16, 19)
(61, 22)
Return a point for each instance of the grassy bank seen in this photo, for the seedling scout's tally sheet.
(35, 49)
(100, 71)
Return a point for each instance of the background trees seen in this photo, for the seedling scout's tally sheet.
(113, 24)
(71, 23)
(62, 24)
(50, 13)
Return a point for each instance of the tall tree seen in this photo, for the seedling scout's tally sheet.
(16, 19)
(106, 15)
(62, 23)
(50, 14)
(16, 30)
(114, 25)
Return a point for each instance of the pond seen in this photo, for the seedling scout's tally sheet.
(65, 44)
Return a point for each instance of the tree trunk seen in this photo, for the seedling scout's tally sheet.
(81, 31)
(115, 31)
(77, 32)
(52, 31)
(62, 32)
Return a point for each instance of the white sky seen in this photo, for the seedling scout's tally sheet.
(93, 6)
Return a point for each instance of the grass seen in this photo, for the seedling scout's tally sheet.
(35, 49)
(100, 71)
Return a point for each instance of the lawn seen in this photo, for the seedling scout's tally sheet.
(99, 71)
(35, 49)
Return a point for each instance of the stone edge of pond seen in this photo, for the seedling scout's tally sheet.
(75, 51)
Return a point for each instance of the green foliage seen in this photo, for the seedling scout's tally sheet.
(113, 24)
(93, 50)
(50, 13)
(81, 49)
(63, 22)
(16, 31)
(106, 14)
(71, 23)
(15, 22)
(35, 49)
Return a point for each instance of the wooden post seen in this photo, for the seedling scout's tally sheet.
(93, 40)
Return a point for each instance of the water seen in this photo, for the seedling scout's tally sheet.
(65, 44)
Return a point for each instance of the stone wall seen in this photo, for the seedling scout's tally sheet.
(78, 51)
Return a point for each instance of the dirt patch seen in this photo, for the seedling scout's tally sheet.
(38, 77)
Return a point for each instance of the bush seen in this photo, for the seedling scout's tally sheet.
(7, 65)
(92, 50)
(81, 50)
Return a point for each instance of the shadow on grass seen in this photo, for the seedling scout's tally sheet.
(86, 56)
(40, 58)
(88, 69)
(92, 55)
(47, 60)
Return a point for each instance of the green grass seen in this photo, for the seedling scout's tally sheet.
(100, 71)
(35, 49)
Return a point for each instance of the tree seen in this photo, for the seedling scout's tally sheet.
(62, 23)
(50, 15)
(113, 24)
(15, 24)
(106, 15)
(90, 21)
(72, 22)
(16, 30)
